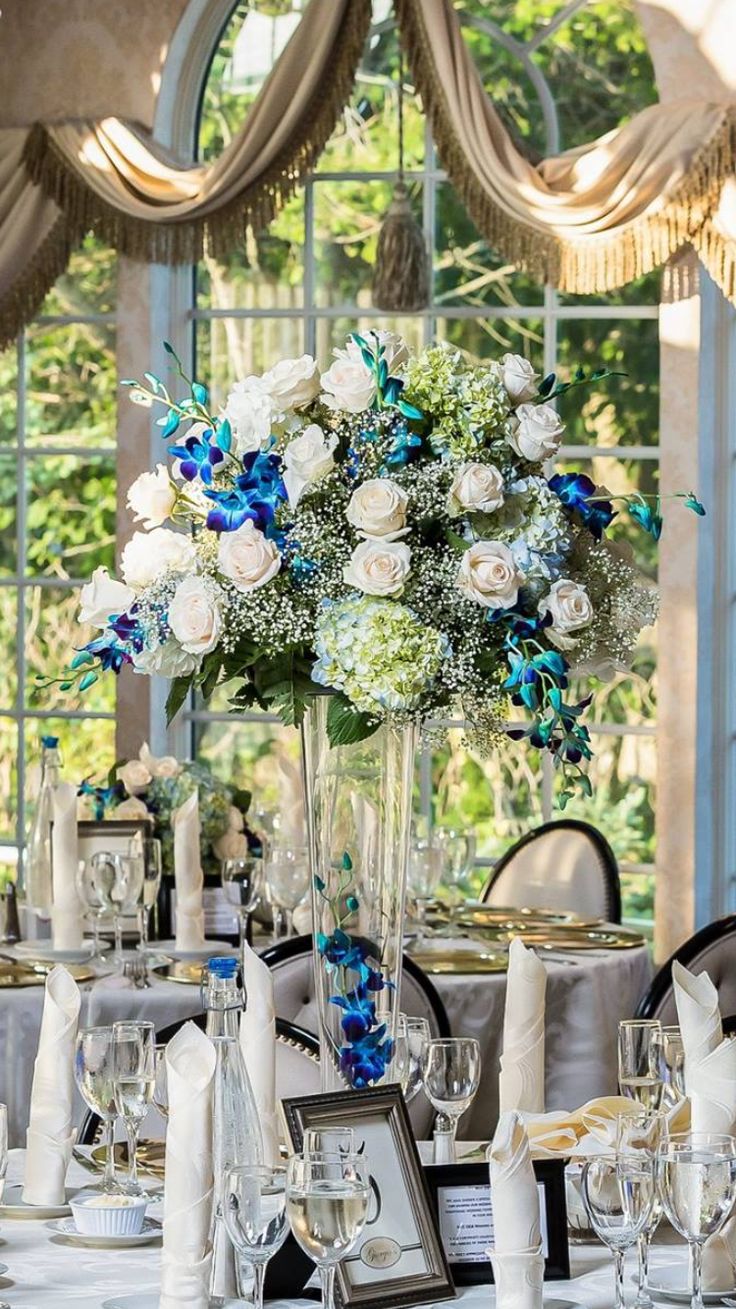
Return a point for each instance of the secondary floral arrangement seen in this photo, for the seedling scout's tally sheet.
(386, 529)
(153, 788)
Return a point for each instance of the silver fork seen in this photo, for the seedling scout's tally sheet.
(137, 972)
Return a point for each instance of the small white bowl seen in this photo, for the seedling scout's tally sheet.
(120, 1215)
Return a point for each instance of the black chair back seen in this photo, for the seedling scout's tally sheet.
(711, 950)
(565, 864)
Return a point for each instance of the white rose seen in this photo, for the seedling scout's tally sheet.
(378, 568)
(231, 845)
(102, 597)
(538, 432)
(134, 776)
(150, 554)
(348, 384)
(235, 820)
(131, 808)
(152, 497)
(292, 383)
(194, 615)
(247, 557)
(489, 575)
(477, 488)
(395, 349)
(165, 660)
(250, 412)
(570, 606)
(519, 378)
(377, 508)
(309, 457)
(163, 766)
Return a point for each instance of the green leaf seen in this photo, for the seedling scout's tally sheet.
(209, 673)
(178, 692)
(345, 724)
(458, 543)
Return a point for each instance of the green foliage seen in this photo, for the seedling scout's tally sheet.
(347, 725)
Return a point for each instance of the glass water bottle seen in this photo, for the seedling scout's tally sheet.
(35, 888)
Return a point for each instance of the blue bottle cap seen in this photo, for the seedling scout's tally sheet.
(223, 966)
(49, 742)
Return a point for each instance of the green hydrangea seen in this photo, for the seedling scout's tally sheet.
(378, 652)
(469, 406)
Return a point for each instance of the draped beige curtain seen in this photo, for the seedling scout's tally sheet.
(111, 177)
(593, 218)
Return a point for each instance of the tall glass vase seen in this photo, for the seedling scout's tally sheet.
(358, 801)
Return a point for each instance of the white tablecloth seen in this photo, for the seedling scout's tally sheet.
(47, 1273)
(586, 997)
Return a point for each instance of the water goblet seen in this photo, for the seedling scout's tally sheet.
(119, 878)
(242, 884)
(451, 1076)
(150, 848)
(254, 1210)
(638, 1061)
(160, 1096)
(93, 894)
(3, 1163)
(642, 1132)
(618, 1194)
(458, 851)
(134, 1076)
(286, 870)
(424, 873)
(94, 1074)
(327, 1200)
(412, 1037)
(696, 1175)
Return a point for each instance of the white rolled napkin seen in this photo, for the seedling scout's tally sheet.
(698, 1014)
(188, 876)
(188, 1187)
(258, 1043)
(521, 1079)
(50, 1135)
(66, 911)
(519, 1279)
(713, 1090)
(514, 1192)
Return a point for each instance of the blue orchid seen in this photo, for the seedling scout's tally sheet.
(102, 796)
(257, 493)
(199, 457)
(647, 516)
(576, 491)
(109, 653)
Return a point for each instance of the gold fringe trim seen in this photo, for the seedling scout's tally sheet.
(583, 266)
(24, 298)
(186, 240)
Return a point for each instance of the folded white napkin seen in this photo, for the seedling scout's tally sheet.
(713, 1090)
(258, 1043)
(188, 1188)
(188, 876)
(698, 1015)
(519, 1279)
(517, 1257)
(66, 911)
(50, 1137)
(521, 1080)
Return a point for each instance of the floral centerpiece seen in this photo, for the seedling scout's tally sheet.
(386, 530)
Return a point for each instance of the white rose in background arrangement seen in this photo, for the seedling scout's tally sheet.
(102, 597)
(477, 488)
(250, 412)
(152, 497)
(194, 615)
(348, 384)
(570, 606)
(235, 820)
(134, 776)
(538, 432)
(131, 808)
(148, 555)
(247, 557)
(488, 574)
(165, 660)
(519, 378)
(231, 845)
(378, 567)
(307, 459)
(377, 509)
(162, 766)
(292, 383)
(395, 349)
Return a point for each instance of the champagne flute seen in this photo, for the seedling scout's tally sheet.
(255, 1217)
(638, 1061)
(618, 1194)
(412, 1038)
(94, 1075)
(451, 1076)
(696, 1174)
(671, 1053)
(242, 884)
(134, 1076)
(3, 1163)
(327, 1203)
(150, 848)
(641, 1133)
(286, 869)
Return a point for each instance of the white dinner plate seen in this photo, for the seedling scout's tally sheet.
(43, 952)
(14, 1206)
(205, 951)
(67, 1228)
(670, 1281)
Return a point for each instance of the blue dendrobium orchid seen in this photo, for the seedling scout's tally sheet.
(199, 456)
(102, 796)
(647, 516)
(256, 495)
(575, 490)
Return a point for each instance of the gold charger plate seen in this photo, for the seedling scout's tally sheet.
(606, 937)
(151, 1156)
(16, 975)
(188, 974)
(491, 915)
(457, 962)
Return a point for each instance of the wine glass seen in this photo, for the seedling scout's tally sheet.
(255, 1217)
(328, 1140)
(119, 879)
(286, 870)
(642, 1132)
(696, 1174)
(3, 1163)
(93, 896)
(150, 848)
(451, 1076)
(242, 884)
(671, 1052)
(327, 1199)
(134, 1076)
(424, 874)
(94, 1075)
(638, 1061)
(618, 1194)
(458, 852)
(412, 1037)
(160, 1096)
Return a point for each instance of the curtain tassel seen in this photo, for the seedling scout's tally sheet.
(400, 274)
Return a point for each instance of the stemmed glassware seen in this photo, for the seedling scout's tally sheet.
(671, 1057)
(286, 872)
(639, 1073)
(254, 1209)
(618, 1193)
(242, 885)
(152, 870)
(160, 1096)
(134, 1076)
(3, 1163)
(327, 1199)
(451, 1076)
(94, 898)
(423, 878)
(412, 1038)
(118, 883)
(94, 1073)
(641, 1133)
(458, 853)
(696, 1174)
(328, 1140)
